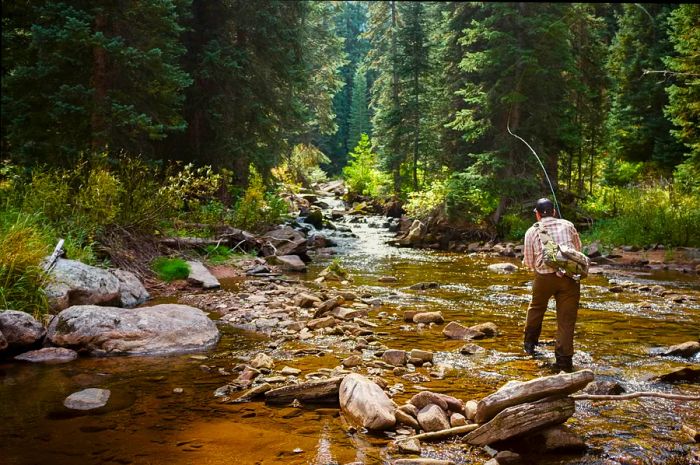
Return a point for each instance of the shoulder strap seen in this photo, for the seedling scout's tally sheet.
(544, 235)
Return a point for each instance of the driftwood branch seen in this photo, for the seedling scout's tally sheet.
(446, 433)
(57, 252)
(634, 395)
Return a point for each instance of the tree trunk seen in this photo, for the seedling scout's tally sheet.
(98, 120)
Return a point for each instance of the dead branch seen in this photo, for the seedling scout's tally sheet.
(634, 395)
(57, 253)
(446, 433)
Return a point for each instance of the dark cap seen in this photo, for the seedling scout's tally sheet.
(545, 207)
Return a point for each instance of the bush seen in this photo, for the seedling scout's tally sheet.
(513, 226)
(217, 254)
(258, 209)
(302, 168)
(468, 198)
(170, 269)
(23, 246)
(645, 215)
(362, 174)
(422, 204)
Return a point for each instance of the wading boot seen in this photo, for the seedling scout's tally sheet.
(530, 348)
(563, 363)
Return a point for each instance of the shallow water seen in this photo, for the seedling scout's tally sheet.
(146, 422)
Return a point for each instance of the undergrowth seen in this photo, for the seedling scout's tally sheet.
(171, 269)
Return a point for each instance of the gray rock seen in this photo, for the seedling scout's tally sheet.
(366, 403)
(262, 361)
(87, 399)
(200, 276)
(166, 328)
(422, 355)
(502, 268)
(428, 317)
(48, 355)
(319, 323)
(416, 233)
(75, 283)
(433, 418)
(457, 419)
(285, 241)
(408, 446)
(488, 329)
(470, 409)
(322, 390)
(344, 313)
(422, 461)
(3, 342)
(686, 349)
(289, 262)
(406, 419)
(306, 300)
(20, 329)
(557, 439)
(131, 290)
(603, 387)
(352, 361)
(424, 398)
(289, 371)
(454, 330)
(394, 357)
(424, 286)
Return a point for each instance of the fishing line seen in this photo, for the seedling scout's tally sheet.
(556, 204)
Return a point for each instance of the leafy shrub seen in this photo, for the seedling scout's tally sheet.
(422, 204)
(645, 215)
(188, 187)
(362, 174)
(170, 269)
(217, 254)
(468, 198)
(302, 168)
(258, 209)
(97, 200)
(514, 226)
(23, 246)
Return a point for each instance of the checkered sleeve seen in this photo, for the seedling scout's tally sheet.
(529, 249)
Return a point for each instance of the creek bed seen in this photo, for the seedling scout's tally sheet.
(148, 421)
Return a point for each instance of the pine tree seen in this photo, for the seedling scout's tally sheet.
(359, 112)
(86, 76)
(638, 129)
(684, 94)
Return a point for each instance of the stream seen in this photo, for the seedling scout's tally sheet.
(163, 410)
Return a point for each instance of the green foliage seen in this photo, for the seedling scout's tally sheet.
(171, 269)
(468, 198)
(641, 216)
(337, 267)
(514, 226)
(423, 204)
(258, 209)
(618, 172)
(188, 187)
(359, 122)
(302, 168)
(23, 246)
(217, 255)
(362, 175)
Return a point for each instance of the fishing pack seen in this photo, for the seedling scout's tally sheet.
(562, 258)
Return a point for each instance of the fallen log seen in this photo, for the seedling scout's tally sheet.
(634, 395)
(520, 419)
(444, 434)
(323, 390)
(539, 388)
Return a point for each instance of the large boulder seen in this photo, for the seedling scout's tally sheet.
(416, 232)
(19, 330)
(433, 418)
(166, 328)
(284, 241)
(75, 283)
(87, 399)
(366, 403)
(48, 355)
(201, 276)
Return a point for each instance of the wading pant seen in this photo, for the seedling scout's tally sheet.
(566, 292)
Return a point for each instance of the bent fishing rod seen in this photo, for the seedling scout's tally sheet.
(556, 204)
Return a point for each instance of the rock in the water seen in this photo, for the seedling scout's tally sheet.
(344, 313)
(425, 398)
(75, 283)
(165, 328)
(422, 461)
(366, 403)
(428, 317)
(20, 329)
(457, 419)
(306, 300)
(408, 446)
(607, 388)
(470, 409)
(488, 329)
(471, 349)
(687, 374)
(87, 399)
(557, 439)
(252, 393)
(352, 361)
(423, 286)
(200, 276)
(394, 357)
(319, 323)
(262, 361)
(289, 262)
(423, 355)
(406, 419)
(433, 418)
(454, 330)
(285, 241)
(322, 390)
(502, 268)
(48, 355)
(686, 349)
(131, 290)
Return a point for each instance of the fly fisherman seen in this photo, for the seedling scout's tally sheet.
(549, 282)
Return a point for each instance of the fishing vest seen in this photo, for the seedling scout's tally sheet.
(562, 258)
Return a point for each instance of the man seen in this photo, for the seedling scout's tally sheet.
(549, 282)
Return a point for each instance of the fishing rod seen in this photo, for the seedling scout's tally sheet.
(556, 204)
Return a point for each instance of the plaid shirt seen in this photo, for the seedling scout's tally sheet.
(561, 231)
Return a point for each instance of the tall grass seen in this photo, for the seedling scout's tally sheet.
(645, 215)
(23, 246)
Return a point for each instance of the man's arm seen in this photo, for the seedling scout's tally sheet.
(575, 239)
(529, 250)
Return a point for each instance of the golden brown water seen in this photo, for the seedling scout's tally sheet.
(145, 422)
